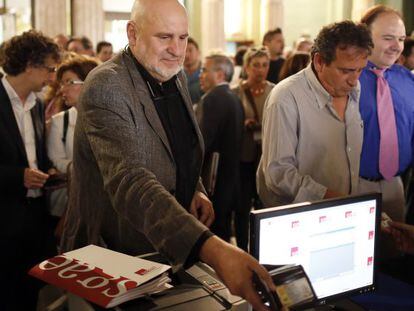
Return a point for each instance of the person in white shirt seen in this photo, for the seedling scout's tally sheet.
(26, 229)
(312, 129)
(70, 75)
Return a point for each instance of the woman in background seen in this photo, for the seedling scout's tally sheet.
(53, 97)
(293, 64)
(70, 75)
(253, 93)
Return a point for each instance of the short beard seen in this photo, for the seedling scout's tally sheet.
(164, 74)
(167, 75)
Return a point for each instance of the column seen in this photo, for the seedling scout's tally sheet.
(212, 26)
(359, 7)
(272, 15)
(50, 17)
(88, 19)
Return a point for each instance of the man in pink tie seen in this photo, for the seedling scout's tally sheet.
(387, 109)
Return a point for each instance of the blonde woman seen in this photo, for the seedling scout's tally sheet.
(252, 92)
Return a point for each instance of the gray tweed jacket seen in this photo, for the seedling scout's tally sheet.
(124, 171)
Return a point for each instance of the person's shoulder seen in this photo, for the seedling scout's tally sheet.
(106, 83)
(236, 89)
(57, 118)
(269, 85)
(285, 91)
(402, 72)
(108, 70)
(219, 95)
(292, 83)
(60, 115)
(214, 96)
(73, 112)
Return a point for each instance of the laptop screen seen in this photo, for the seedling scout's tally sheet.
(334, 241)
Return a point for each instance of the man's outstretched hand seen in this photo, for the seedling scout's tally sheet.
(235, 268)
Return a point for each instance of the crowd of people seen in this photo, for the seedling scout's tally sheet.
(136, 130)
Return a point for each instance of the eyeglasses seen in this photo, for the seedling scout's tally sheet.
(258, 49)
(71, 82)
(50, 69)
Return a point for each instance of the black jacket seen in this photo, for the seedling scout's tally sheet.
(13, 159)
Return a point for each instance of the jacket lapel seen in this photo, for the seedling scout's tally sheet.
(146, 101)
(188, 104)
(38, 130)
(9, 120)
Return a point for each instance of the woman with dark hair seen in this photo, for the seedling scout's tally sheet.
(53, 98)
(293, 64)
(70, 76)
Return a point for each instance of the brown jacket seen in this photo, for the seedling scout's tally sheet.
(124, 171)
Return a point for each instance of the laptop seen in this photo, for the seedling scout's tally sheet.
(334, 240)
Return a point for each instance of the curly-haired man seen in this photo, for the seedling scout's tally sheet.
(29, 62)
(312, 130)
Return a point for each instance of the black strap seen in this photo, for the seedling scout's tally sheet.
(65, 125)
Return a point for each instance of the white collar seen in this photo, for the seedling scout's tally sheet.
(14, 98)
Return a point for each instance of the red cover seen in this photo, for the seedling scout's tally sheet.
(82, 279)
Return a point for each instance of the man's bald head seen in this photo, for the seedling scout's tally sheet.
(157, 36)
(143, 11)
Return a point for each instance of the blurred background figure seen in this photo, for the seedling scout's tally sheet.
(253, 93)
(87, 46)
(406, 58)
(82, 46)
(304, 44)
(52, 96)
(104, 51)
(293, 64)
(274, 41)
(70, 76)
(75, 45)
(61, 40)
(192, 69)
(221, 123)
(238, 74)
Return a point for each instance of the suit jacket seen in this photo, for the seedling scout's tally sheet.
(221, 121)
(13, 161)
(123, 169)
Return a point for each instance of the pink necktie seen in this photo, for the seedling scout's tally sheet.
(388, 153)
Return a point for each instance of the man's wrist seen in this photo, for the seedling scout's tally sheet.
(194, 255)
(210, 249)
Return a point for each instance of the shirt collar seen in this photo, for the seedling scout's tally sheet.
(15, 99)
(371, 65)
(155, 86)
(322, 96)
(225, 83)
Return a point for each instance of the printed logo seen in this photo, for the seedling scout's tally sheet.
(294, 251)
